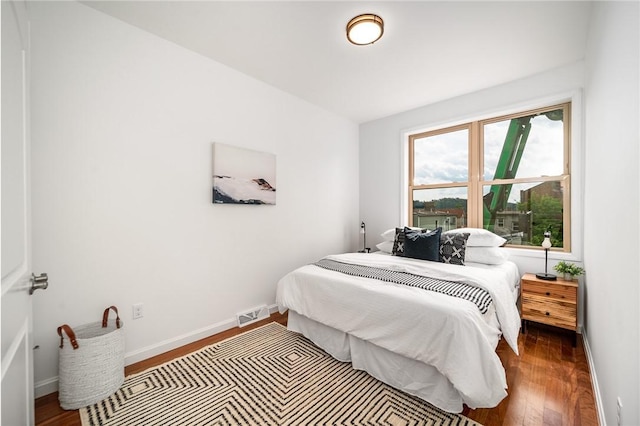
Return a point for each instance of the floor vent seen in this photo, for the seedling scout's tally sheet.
(255, 314)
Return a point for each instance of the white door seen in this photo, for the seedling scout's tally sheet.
(16, 346)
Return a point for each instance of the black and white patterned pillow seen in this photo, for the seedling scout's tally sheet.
(453, 247)
(398, 243)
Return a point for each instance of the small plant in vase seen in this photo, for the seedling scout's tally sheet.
(569, 270)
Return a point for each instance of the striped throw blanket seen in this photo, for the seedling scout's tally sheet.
(480, 297)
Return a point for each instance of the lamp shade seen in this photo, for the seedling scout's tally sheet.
(365, 29)
(546, 244)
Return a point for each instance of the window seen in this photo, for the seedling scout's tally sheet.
(509, 175)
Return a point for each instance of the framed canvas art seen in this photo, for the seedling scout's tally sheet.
(243, 176)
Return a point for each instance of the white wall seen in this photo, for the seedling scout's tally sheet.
(611, 228)
(123, 124)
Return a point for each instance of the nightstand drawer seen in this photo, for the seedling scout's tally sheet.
(549, 311)
(553, 291)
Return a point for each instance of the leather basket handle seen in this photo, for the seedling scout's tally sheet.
(70, 333)
(72, 336)
(105, 317)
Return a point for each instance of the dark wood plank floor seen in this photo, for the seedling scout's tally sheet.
(549, 383)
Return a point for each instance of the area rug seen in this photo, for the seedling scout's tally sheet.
(266, 376)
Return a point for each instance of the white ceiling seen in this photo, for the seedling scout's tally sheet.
(430, 51)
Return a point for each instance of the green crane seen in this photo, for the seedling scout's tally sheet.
(514, 143)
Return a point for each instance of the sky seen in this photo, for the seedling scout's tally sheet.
(444, 158)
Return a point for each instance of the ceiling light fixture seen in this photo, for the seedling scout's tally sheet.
(365, 29)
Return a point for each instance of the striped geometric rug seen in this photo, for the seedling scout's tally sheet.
(266, 376)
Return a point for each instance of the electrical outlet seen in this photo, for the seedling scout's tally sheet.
(619, 411)
(137, 311)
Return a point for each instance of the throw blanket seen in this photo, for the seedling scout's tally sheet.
(480, 297)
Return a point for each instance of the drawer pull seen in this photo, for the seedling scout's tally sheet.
(548, 294)
(547, 313)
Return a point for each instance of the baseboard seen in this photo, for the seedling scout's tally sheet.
(602, 421)
(48, 386)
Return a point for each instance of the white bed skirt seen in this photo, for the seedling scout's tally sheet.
(408, 375)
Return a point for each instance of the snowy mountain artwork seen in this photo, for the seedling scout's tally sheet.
(243, 176)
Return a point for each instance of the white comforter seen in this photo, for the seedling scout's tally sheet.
(446, 332)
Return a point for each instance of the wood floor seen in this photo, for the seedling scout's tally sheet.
(549, 383)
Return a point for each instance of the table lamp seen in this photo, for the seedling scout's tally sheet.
(363, 231)
(546, 245)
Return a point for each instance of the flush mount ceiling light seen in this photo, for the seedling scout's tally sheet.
(365, 29)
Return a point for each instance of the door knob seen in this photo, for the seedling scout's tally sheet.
(41, 282)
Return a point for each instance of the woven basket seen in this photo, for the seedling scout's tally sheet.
(91, 363)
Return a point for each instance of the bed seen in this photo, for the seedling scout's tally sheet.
(429, 344)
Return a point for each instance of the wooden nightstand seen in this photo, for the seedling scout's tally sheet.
(550, 302)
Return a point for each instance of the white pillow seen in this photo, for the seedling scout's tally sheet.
(389, 234)
(385, 246)
(486, 255)
(479, 237)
